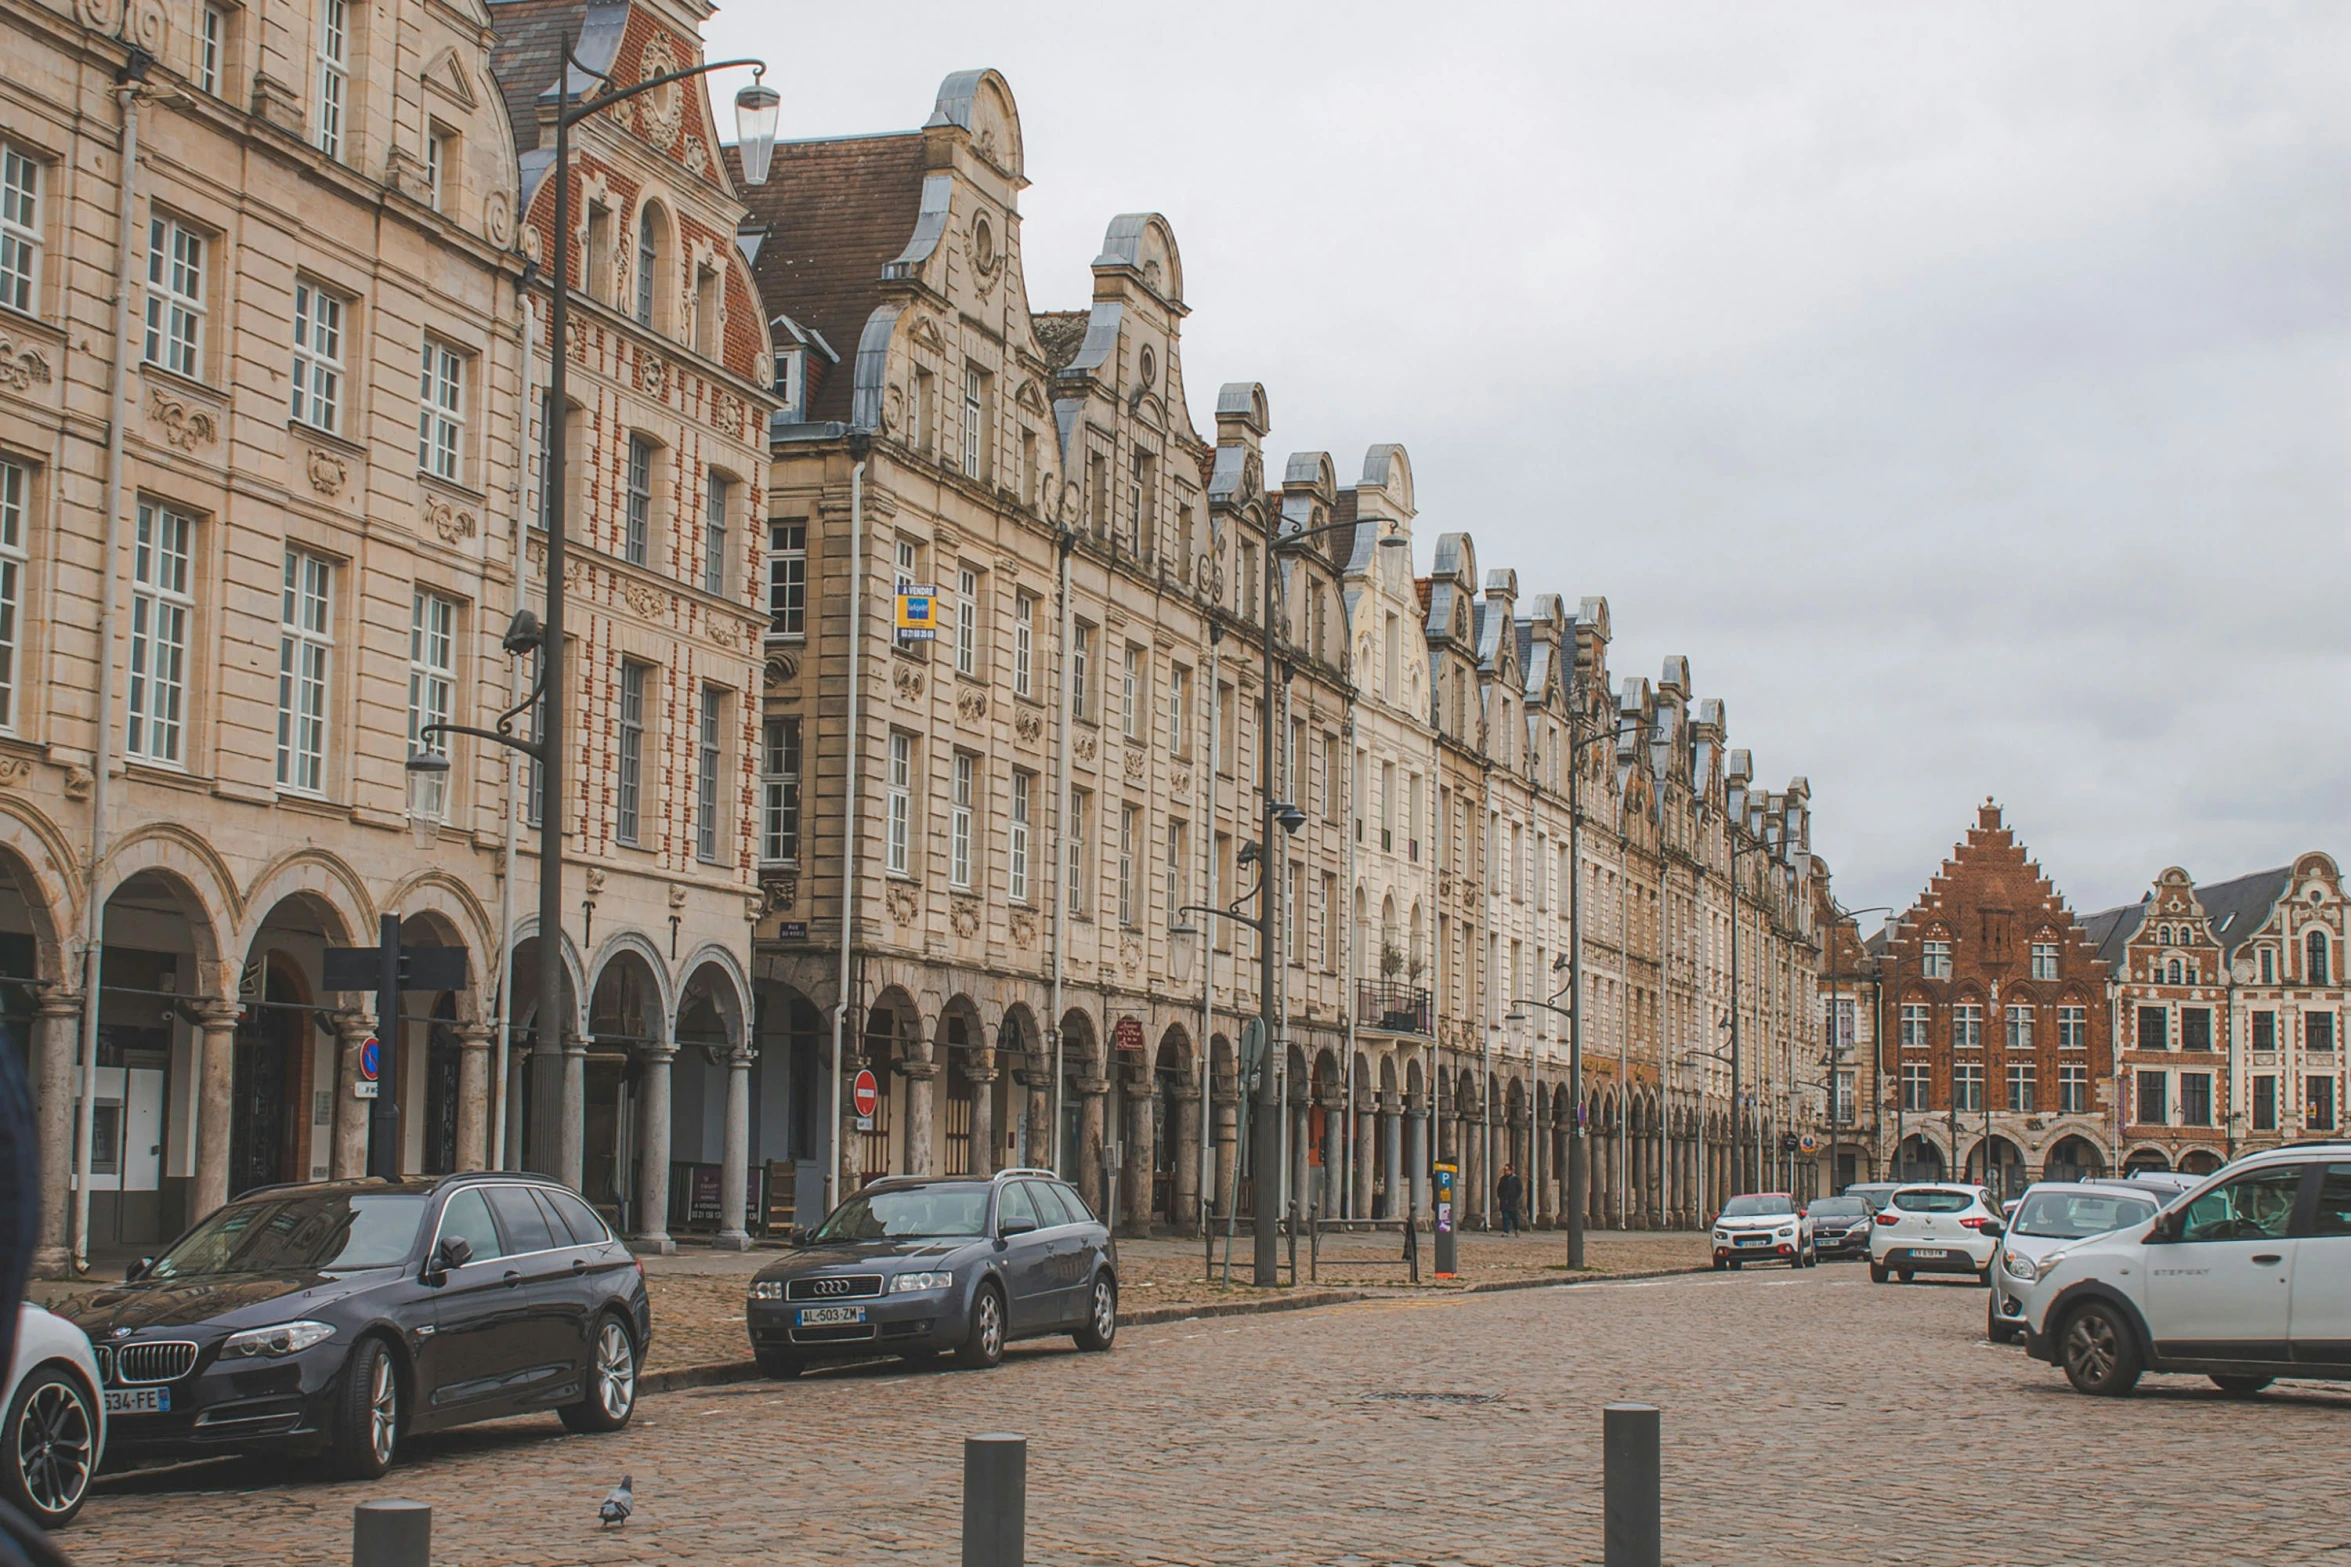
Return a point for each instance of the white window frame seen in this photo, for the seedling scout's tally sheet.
(787, 578)
(959, 833)
(636, 545)
(2073, 1088)
(432, 683)
(440, 412)
(305, 647)
(1130, 690)
(717, 496)
(1081, 659)
(162, 605)
(709, 762)
(1178, 871)
(779, 792)
(1179, 680)
(2025, 1075)
(1024, 644)
(16, 489)
(1079, 799)
(2045, 955)
(1967, 1026)
(175, 296)
(2073, 1027)
(20, 229)
(1129, 816)
(648, 266)
(967, 621)
(2020, 1026)
(974, 392)
(1024, 789)
(1935, 960)
(334, 74)
(212, 38)
(628, 799)
(1912, 1024)
(901, 803)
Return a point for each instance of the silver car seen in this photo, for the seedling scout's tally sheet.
(2051, 1214)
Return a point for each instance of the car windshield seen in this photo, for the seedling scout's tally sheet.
(1839, 1208)
(1933, 1202)
(300, 1232)
(913, 1212)
(2068, 1216)
(1757, 1206)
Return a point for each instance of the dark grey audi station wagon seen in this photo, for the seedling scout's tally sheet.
(919, 1265)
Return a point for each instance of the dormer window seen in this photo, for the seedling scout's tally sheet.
(791, 384)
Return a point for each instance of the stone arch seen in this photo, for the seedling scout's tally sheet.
(575, 973)
(43, 863)
(630, 949)
(438, 892)
(2146, 1157)
(2071, 1157)
(198, 880)
(322, 879)
(2199, 1161)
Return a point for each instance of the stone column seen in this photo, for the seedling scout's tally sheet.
(1301, 1195)
(571, 1141)
(982, 1076)
(473, 1096)
(921, 1098)
(57, 1032)
(1540, 1210)
(1392, 1157)
(1187, 1158)
(734, 1174)
(216, 1092)
(351, 1032)
(1417, 1170)
(1225, 1115)
(1043, 1152)
(1142, 1148)
(1091, 1093)
(652, 1237)
(1367, 1133)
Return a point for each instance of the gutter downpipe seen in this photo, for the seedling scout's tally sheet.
(1068, 542)
(1346, 916)
(127, 85)
(514, 694)
(1205, 702)
(860, 442)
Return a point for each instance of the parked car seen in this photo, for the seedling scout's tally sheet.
(1934, 1227)
(1875, 1193)
(342, 1317)
(1763, 1227)
(2050, 1214)
(918, 1265)
(2246, 1279)
(54, 1435)
(1840, 1226)
(2167, 1183)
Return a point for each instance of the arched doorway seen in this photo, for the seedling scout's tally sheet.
(2147, 1160)
(1175, 1116)
(628, 1010)
(530, 1070)
(1997, 1163)
(2200, 1161)
(284, 1073)
(1080, 1135)
(1918, 1159)
(2071, 1159)
(891, 1028)
(149, 1159)
(791, 1139)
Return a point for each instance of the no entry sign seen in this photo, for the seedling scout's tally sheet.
(868, 1094)
(370, 1064)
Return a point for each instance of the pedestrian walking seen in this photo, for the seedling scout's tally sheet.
(1508, 1193)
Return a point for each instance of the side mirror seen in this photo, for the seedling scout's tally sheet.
(1008, 1228)
(456, 1251)
(137, 1270)
(1994, 1228)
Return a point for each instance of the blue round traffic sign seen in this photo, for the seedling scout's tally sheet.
(368, 1051)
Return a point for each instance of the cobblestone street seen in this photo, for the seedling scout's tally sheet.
(1809, 1417)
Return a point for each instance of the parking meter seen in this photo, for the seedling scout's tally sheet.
(1448, 1178)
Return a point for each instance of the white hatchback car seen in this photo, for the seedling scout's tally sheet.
(2244, 1280)
(55, 1431)
(1763, 1227)
(1934, 1227)
(2050, 1215)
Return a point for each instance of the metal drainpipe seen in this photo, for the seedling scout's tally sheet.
(860, 442)
(1347, 946)
(1068, 541)
(514, 693)
(1205, 702)
(117, 412)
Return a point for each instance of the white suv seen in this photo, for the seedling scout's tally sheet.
(2051, 1216)
(1934, 1227)
(1763, 1227)
(2246, 1279)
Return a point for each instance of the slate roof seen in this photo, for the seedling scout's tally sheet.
(531, 35)
(836, 212)
(2111, 931)
(2236, 909)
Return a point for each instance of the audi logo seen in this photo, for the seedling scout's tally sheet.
(829, 1287)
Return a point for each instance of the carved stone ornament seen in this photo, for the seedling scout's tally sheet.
(677, 898)
(905, 903)
(1028, 723)
(697, 155)
(908, 679)
(965, 915)
(893, 409)
(21, 369)
(1023, 923)
(327, 471)
(971, 704)
(15, 771)
(782, 670)
(643, 597)
(498, 219)
(653, 376)
(778, 891)
(1181, 783)
(78, 781)
(1130, 951)
(180, 425)
(753, 908)
(662, 111)
(1085, 746)
(594, 881)
(1137, 760)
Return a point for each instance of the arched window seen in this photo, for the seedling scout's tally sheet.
(649, 237)
(2171, 972)
(2314, 958)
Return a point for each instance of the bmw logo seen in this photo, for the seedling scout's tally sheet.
(122, 1332)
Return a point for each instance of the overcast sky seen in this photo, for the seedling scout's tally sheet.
(1962, 389)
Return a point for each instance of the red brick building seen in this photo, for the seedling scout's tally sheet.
(1999, 1051)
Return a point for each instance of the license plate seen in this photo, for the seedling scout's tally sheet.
(1927, 1251)
(828, 1316)
(138, 1400)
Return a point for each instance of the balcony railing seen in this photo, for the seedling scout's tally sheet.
(1400, 1009)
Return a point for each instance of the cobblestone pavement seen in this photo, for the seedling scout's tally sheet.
(698, 1294)
(1809, 1418)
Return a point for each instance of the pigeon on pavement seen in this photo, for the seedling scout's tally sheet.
(619, 1502)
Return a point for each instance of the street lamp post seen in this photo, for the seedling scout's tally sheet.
(553, 1130)
(1578, 1159)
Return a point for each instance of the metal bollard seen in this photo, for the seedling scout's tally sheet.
(391, 1534)
(1628, 1444)
(995, 1500)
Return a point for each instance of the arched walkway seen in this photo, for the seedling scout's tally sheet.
(1919, 1159)
(2071, 1159)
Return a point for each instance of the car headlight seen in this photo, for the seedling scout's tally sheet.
(284, 1339)
(767, 1289)
(909, 1283)
(1788, 1234)
(1722, 1235)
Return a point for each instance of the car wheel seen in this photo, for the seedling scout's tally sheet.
(1101, 1315)
(1734, 1264)
(52, 1447)
(1877, 1274)
(983, 1346)
(367, 1415)
(1983, 1277)
(1719, 1265)
(2241, 1387)
(612, 1382)
(1812, 1259)
(2098, 1352)
(781, 1364)
(1904, 1274)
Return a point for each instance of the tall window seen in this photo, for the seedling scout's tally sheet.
(2195, 1099)
(175, 297)
(2044, 960)
(1024, 644)
(1333, 779)
(1179, 691)
(1179, 873)
(787, 578)
(211, 44)
(334, 73)
(1079, 800)
(636, 540)
(909, 563)
(2269, 965)
(20, 229)
(160, 608)
(959, 825)
(2318, 1032)
(2020, 1028)
(1024, 789)
(2020, 1087)
(1145, 513)
(2265, 1030)
(440, 166)
(303, 642)
(901, 802)
(2073, 1028)
(2073, 1089)
(779, 791)
(15, 485)
(2153, 1108)
(2314, 959)
(716, 497)
(440, 411)
(432, 683)
(1294, 916)
(974, 452)
(708, 754)
(2195, 1028)
(1130, 694)
(1914, 1085)
(628, 797)
(318, 357)
(648, 264)
(1841, 1109)
(1081, 664)
(2154, 1028)
(967, 621)
(1967, 1085)
(1330, 923)
(1967, 1027)
(1130, 819)
(2265, 1104)
(2318, 1104)
(1937, 961)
